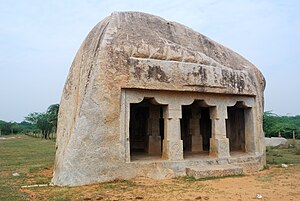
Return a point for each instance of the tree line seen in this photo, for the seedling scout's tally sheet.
(275, 125)
(7, 128)
(36, 123)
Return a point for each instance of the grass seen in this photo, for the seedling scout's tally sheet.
(267, 177)
(28, 157)
(33, 159)
(290, 155)
(191, 179)
(270, 176)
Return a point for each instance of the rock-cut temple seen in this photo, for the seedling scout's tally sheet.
(146, 97)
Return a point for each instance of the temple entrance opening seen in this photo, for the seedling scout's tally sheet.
(146, 129)
(235, 126)
(195, 127)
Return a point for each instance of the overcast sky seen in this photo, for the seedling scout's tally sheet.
(39, 39)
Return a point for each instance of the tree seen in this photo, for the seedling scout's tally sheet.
(274, 124)
(6, 127)
(41, 121)
(45, 121)
(32, 118)
(14, 127)
(26, 127)
(269, 121)
(53, 115)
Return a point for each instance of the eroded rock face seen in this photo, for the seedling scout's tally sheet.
(142, 52)
(279, 142)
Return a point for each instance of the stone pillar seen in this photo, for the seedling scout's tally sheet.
(219, 144)
(250, 131)
(197, 145)
(154, 138)
(172, 143)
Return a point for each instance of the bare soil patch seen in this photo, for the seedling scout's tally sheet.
(33, 159)
(274, 184)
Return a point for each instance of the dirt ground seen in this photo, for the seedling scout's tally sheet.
(20, 155)
(282, 184)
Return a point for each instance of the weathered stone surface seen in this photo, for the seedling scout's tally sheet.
(276, 142)
(130, 56)
(213, 171)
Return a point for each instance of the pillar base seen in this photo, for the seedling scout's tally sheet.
(173, 150)
(197, 145)
(154, 146)
(219, 148)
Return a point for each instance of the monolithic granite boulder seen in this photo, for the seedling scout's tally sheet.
(146, 97)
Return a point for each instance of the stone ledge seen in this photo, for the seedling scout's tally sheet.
(213, 171)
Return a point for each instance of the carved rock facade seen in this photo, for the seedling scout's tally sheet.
(147, 97)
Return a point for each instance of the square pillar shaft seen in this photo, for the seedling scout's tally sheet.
(197, 144)
(154, 138)
(250, 131)
(219, 144)
(172, 143)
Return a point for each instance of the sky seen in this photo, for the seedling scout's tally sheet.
(39, 39)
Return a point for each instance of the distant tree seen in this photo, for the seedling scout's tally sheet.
(32, 118)
(52, 111)
(274, 124)
(45, 121)
(14, 127)
(41, 121)
(24, 127)
(269, 121)
(6, 127)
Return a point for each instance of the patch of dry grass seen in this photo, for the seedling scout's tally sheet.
(33, 159)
